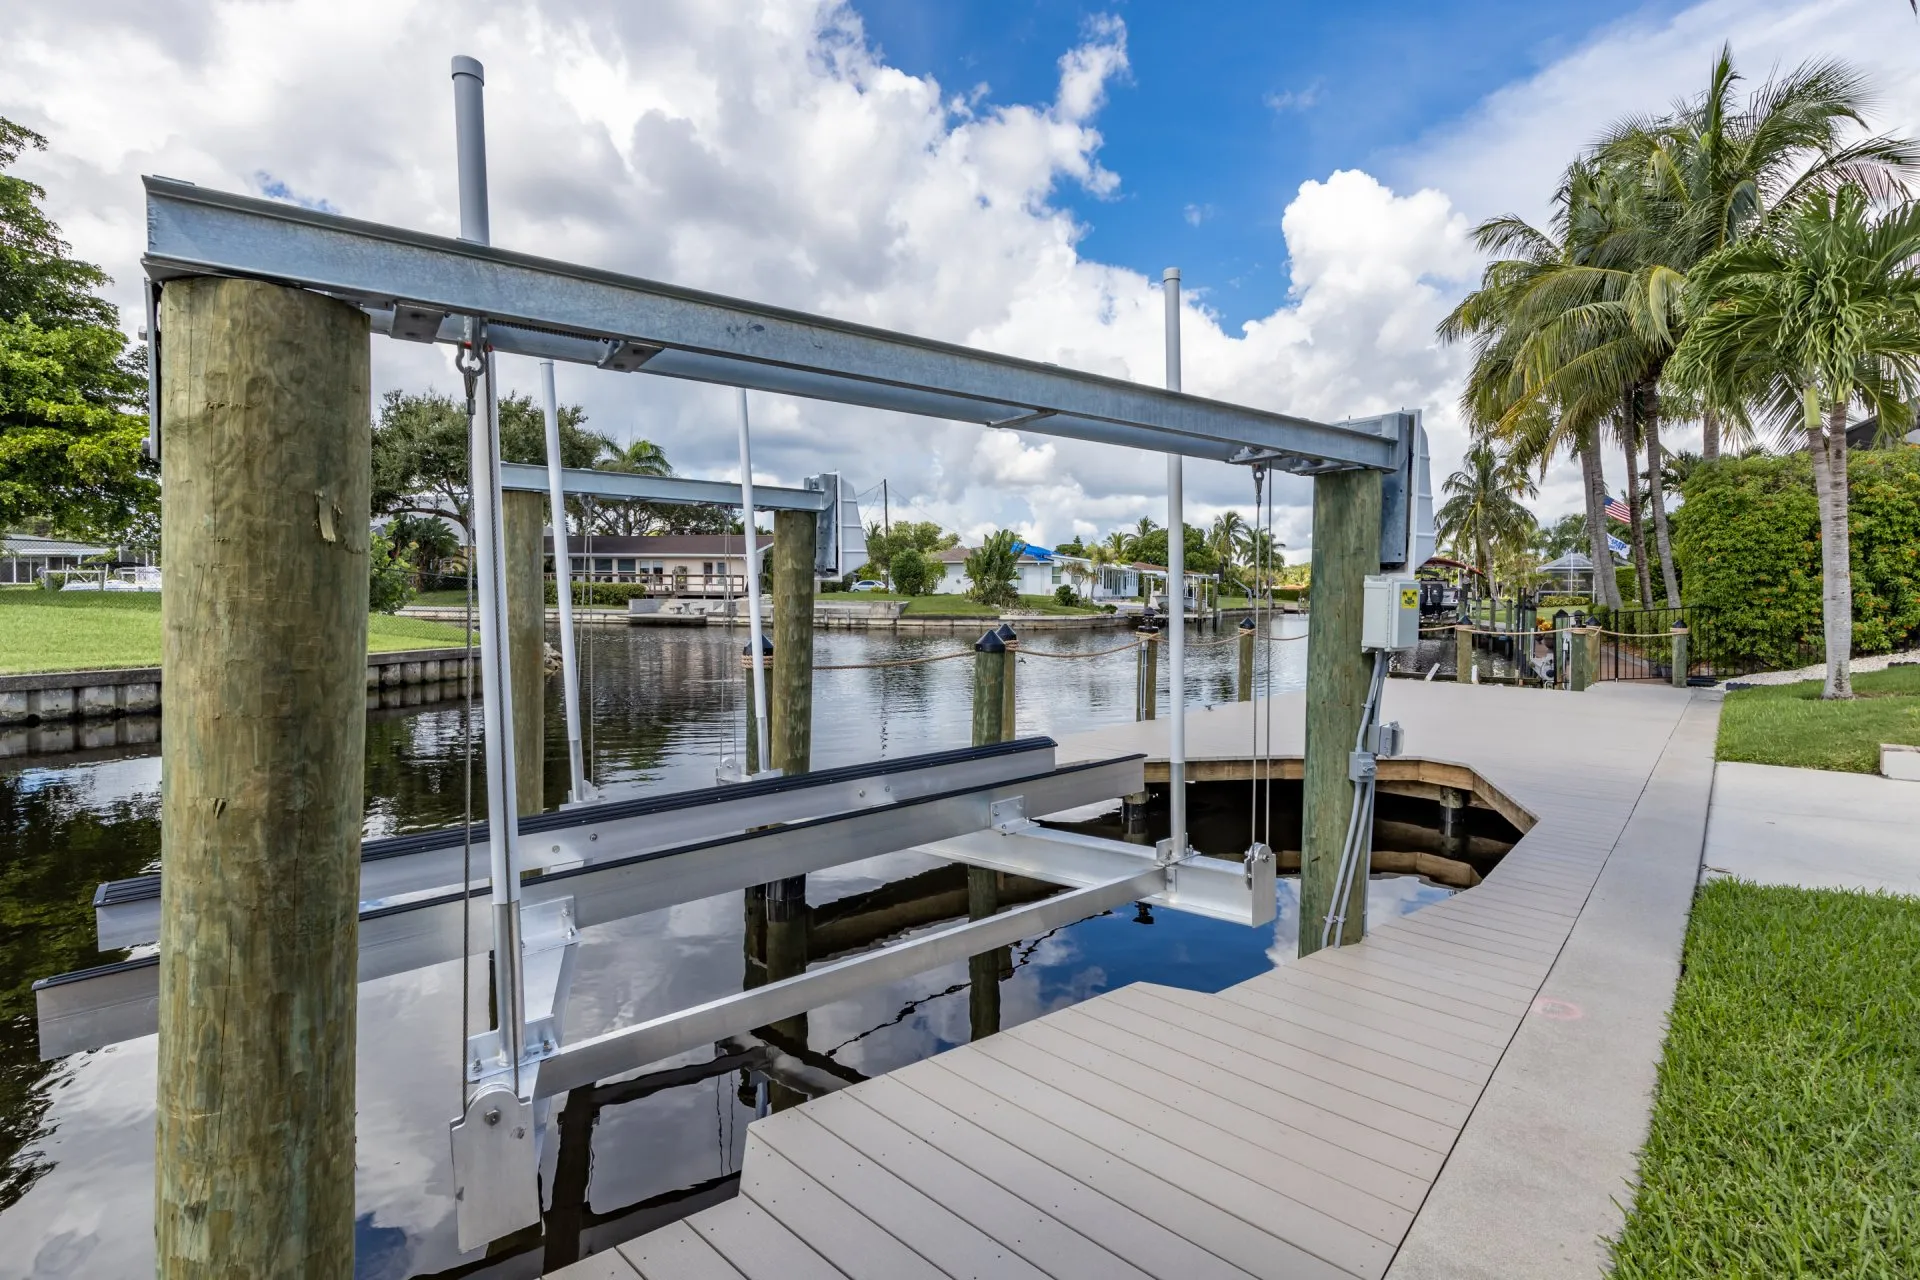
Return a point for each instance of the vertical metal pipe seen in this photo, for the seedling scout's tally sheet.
(762, 740)
(496, 684)
(1176, 592)
(579, 788)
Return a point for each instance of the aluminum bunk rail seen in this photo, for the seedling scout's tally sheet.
(421, 287)
(95, 1007)
(400, 869)
(581, 483)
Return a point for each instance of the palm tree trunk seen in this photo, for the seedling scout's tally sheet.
(1605, 586)
(1637, 533)
(1829, 452)
(1656, 493)
(1709, 435)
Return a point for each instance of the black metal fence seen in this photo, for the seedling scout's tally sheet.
(1640, 647)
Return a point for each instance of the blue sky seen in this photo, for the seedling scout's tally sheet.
(1230, 107)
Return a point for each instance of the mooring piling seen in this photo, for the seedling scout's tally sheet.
(790, 706)
(1244, 693)
(523, 525)
(266, 461)
(1346, 547)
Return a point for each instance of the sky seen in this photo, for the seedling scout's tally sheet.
(1010, 176)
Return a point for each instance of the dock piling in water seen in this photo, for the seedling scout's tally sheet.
(267, 468)
(522, 523)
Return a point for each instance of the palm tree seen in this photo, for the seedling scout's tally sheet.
(1119, 546)
(1225, 538)
(1482, 510)
(642, 458)
(1820, 310)
(1713, 169)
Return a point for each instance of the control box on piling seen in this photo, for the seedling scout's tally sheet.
(1390, 612)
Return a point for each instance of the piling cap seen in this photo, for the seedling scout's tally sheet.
(1007, 634)
(990, 643)
(1246, 624)
(1148, 628)
(766, 648)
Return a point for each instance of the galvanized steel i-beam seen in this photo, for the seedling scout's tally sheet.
(420, 286)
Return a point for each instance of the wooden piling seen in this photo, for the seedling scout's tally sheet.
(1680, 637)
(1149, 703)
(1007, 719)
(1346, 548)
(751, 765)
(1583, 652)
(1453, 823)
(991, 661)
(522, 527)
(790, 696)
(266, 469)
(1246, 660)
(1463, 654)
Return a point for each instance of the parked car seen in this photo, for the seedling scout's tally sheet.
(868, 584)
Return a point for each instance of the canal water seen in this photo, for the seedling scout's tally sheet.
(76, 1137)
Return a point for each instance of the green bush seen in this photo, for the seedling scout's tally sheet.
(1064, 595)
(603, 594)
(1750, 550)
(1564, 602)
(993, 570)
(389, 575)
(913, 573)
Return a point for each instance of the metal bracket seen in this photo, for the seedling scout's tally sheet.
(416, 323)
(624, 356)
(496, 1167)
(549, 934)
(1008, 815)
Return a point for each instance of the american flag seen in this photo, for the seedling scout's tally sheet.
(1617, 510)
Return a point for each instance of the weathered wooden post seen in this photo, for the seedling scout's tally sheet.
(991, 661)
(522, 527)
(1582, 658)
(751, 764)
(1453, 822)
(1462, 653)
(1246, 660)
(1680, 637)
(790, 701)
(1149, 704)
(267, 471)
(1346, 548)
(1010, 638)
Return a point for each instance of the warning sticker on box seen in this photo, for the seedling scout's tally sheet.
(1409, 597)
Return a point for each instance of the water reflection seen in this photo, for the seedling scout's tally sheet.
(76, 1136)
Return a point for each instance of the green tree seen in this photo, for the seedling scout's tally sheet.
(421, 455)
(71, 397)
(390, 574)
(1568, 533)
(913, 573)
(1817, 313)
(993, 570)
(1483, 514)
(428, 541)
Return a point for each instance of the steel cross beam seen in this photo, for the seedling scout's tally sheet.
(581, 483)
(420, 286)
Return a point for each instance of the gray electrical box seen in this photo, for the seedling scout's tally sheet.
(1390, 612)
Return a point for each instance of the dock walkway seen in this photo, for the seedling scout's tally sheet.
(1461, 1094)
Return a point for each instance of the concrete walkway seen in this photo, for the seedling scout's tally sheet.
(1814, 828)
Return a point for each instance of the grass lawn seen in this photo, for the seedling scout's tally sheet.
(1784, 1122)
(80, 630)
(1789, 724)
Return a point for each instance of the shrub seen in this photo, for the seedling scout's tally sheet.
(913, 573)
(601, 594)
(1564, 602)
(1064, 595)
(389, 575)
(1750, 550)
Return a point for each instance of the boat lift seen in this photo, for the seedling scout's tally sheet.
(551, 875)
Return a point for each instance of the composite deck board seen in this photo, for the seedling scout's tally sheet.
(831, 1228)
(1233, 1173)
(1332, 1114)
(1042, 1240)
(757, 1245)
(934, 1232)
(1333, 1159)
(677, 1252)
(1202, 1030)
(1145, 1243)
(1325, 982)
(1289, 1126)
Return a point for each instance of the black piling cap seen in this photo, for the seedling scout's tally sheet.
(1246, 624)
(766, 648)
(990, 643)
(1007, 634)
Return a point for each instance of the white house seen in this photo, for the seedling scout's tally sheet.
(1038, 572)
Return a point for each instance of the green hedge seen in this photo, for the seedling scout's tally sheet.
(608, 594)
(1749, 549)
